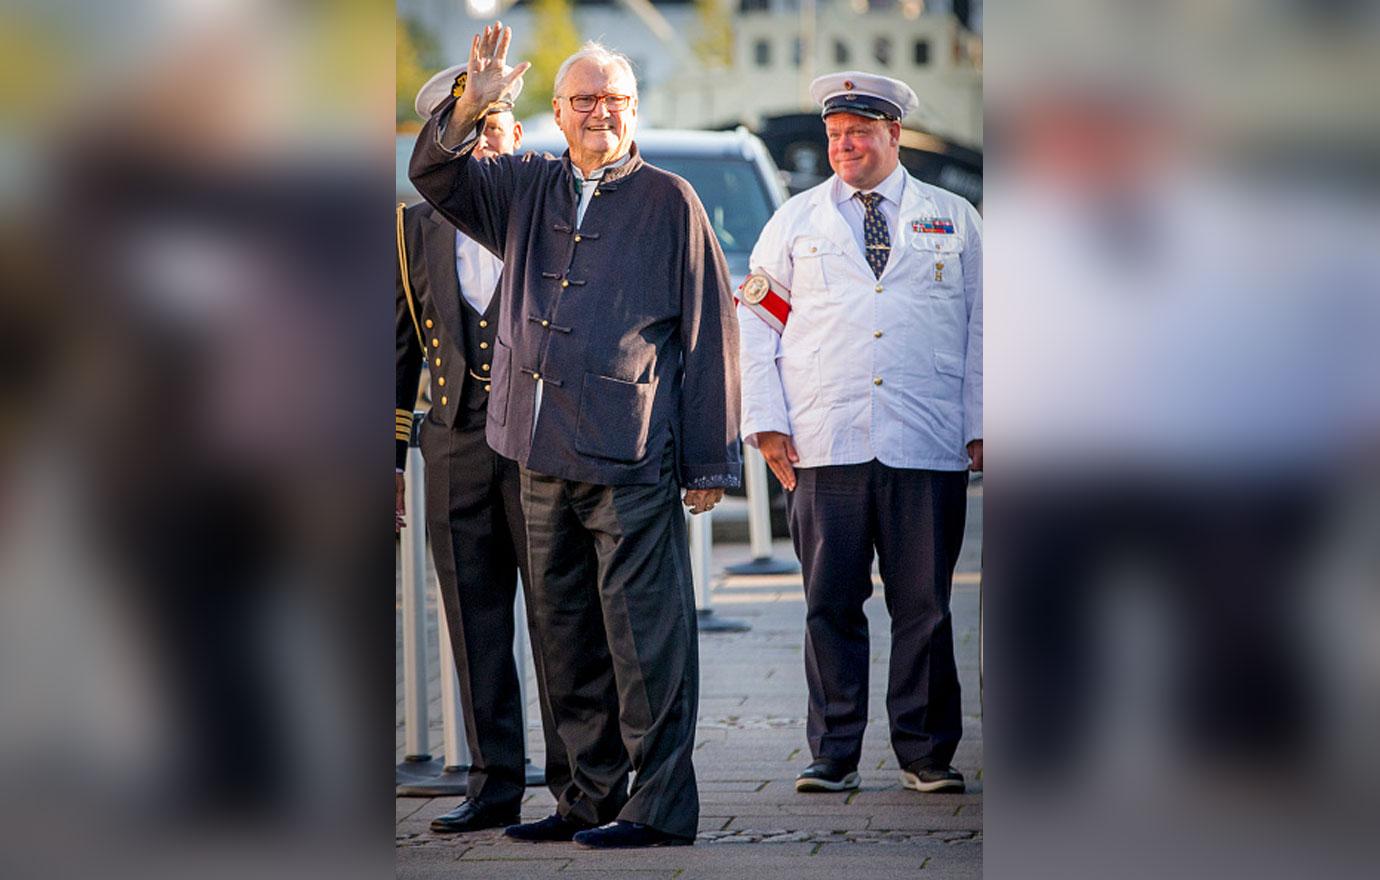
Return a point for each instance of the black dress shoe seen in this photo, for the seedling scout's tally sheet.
(553, 828)
(625, 835)
(475, 815)
(826, 775)
(919, 777)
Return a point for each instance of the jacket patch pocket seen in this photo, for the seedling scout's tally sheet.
(941, 261)
(615, 418)
(502, 379)
(809, 258)
(949, 363)
(951, 244)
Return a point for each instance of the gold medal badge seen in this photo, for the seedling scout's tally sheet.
(755, 289)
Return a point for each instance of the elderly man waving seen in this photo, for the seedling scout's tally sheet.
(615, 384)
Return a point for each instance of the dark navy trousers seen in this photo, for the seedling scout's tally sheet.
(614, 608)
(912, 520)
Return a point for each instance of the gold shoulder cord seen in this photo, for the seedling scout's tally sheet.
(406, 281)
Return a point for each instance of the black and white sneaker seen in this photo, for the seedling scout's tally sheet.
(917, 777)
(826, 775)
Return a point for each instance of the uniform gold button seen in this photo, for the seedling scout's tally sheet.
(483, 323)
(546, 323)
(878, 288)
(429, 324)
(485, 367)
(877, 333)
(443, 400)
(536, 376)
(813, 249)
(565, 282)
(437, 362)
(877, 381)
(435, 342)
(483, 345)
(486, 387)
(597, 193)
(577, 237)
(441, 380)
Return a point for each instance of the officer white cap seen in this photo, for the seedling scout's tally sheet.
(451, 81)
(866, 94)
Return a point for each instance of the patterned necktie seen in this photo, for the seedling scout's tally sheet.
(875, 234)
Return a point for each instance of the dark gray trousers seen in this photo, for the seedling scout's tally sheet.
(615, 612)
(913, 520)
(478, 543)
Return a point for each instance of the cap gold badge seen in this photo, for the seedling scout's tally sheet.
(459, 88)
(755, 289)
(848, 85)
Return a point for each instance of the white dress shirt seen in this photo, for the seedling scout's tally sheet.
(477, 271)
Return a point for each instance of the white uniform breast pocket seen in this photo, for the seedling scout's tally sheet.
(940, 256)
(811, 257)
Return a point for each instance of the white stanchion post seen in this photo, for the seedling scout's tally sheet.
(457, 748)
(701, 561)
(413, 547)
(420, 775)
(759, 510)
(759, 520)
(701, 552)
(520, 647)
(535, 775)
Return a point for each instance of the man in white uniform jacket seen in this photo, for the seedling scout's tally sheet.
(861, 353)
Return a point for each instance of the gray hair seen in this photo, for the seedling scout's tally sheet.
(600, 54)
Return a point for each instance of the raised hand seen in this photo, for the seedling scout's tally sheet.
(487, 75)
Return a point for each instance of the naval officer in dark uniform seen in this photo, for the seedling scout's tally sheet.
(447, 311)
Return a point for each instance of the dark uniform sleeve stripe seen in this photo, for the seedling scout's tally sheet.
(402, 425)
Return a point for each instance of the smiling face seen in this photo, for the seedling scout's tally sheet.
(599, 136)
(862, 151)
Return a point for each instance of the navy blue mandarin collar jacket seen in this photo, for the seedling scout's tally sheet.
(628, 320)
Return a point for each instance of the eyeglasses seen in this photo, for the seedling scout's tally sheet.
(585, 103)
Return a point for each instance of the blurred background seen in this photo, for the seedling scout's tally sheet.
(193, 217)
(1181, 585)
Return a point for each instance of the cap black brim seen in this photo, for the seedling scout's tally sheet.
(862, 105)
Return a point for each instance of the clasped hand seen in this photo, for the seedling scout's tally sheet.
(702, 500)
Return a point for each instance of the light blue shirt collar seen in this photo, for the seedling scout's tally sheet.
(892, 188)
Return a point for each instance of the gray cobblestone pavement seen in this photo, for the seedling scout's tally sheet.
(750, 745)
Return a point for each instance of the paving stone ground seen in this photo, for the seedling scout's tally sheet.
(750, 744)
